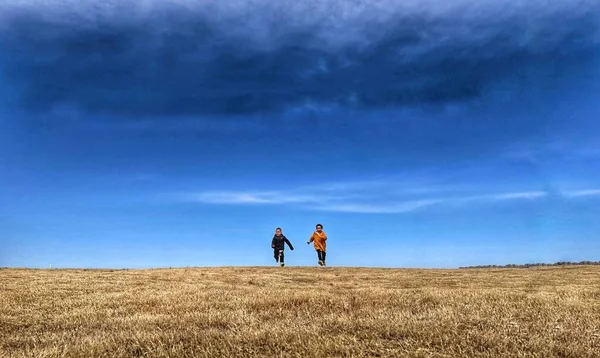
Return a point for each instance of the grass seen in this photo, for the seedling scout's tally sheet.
(301, 312)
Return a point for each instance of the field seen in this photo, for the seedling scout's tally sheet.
(301, 312)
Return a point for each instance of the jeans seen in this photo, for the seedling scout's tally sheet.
(321, 255)
(278, 254)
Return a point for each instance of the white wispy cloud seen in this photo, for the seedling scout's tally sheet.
(518, 195)
(561, 146)
(391, 208)
(362, 197)
(257, 197)
(582, 193)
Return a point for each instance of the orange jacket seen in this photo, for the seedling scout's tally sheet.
(319, 240)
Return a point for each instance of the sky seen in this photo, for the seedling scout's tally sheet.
(138, 134)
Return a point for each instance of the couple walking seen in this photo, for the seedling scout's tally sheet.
(318, 238)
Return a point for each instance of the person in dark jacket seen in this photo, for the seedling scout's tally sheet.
(278, 245)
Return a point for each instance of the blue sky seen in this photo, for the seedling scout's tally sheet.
(158, 134)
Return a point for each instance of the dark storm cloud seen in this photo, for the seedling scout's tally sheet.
(184, 58)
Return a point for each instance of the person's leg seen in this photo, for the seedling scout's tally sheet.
(324, 254)
(281, 257)
(320, 256)
(276, 255)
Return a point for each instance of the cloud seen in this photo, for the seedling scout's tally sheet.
(258, 197)
(582, 193)
(190, 58)
(521, 195)
(392, 208)
(360, 197)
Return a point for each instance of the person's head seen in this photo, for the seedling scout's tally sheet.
(319, 227)
(278, 231)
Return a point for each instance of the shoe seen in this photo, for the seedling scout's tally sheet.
(324, 264)
(282, 264)
(320, 263)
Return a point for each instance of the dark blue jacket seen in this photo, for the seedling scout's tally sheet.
(278, 242)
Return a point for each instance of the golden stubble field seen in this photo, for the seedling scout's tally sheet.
(300, 312)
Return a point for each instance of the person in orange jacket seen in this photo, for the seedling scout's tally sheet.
(319, 239)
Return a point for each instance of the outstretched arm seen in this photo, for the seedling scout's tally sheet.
(273, 243)
(289, 244)
(312, 238)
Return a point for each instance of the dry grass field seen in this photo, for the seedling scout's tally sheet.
(300, 312)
